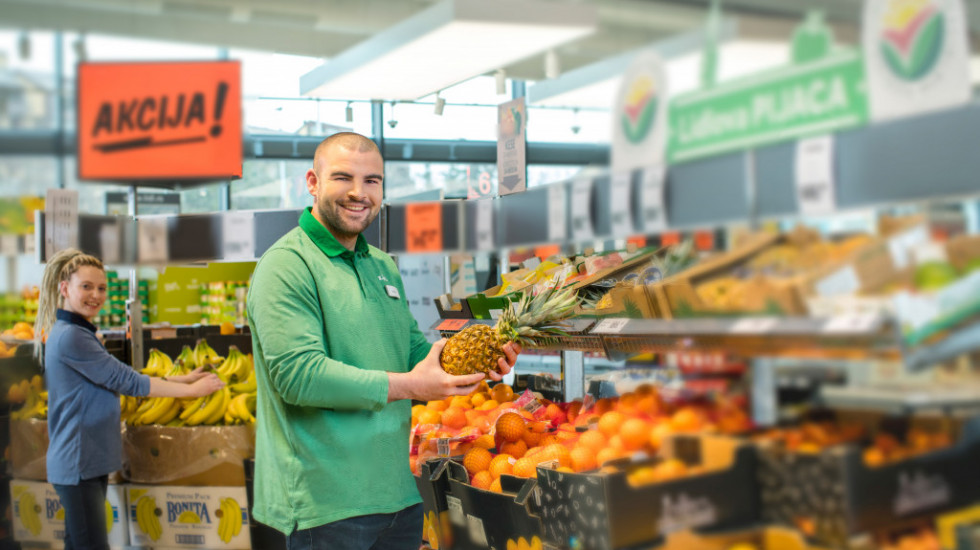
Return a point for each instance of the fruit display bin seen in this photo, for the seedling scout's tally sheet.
(838, 497)
(433, 485)
(483, 519)
(603, 511)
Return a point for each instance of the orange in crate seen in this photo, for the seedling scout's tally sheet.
(482, 480)
(476, 460)
(511, 426)
(485, 441)
(502, 464)
(525, 467)
(454, 417)
(593, 439)
(583, 458)
(634, 433)
(610, 422)
(517, 449)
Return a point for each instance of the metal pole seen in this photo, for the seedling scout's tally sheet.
(134, 307)
(573, 375)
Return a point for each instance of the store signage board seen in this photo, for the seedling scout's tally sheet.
(423, 227)
(917, 56)
(621, 204)
(557, 212)
(153, 239)
(511, 147)
(652, 190)
(582, 229)
(484, 224)
(815, 181)
(61, 221)
(173, 121)
(640, 115)
(810, 98)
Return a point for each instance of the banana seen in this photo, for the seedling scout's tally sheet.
(224, 524)
(231, 519)
(146, 517)
(214, 405)
(171, 413)
(161, 407)
(219, 412)
(152, 364)
(27, 510)
(193, 407)
(136, 418)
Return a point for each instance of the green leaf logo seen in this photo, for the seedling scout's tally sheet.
(912, 50)
(637, 131)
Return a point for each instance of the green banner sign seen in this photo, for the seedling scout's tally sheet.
(812, 98)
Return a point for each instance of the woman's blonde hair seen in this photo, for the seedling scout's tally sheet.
(60, 267)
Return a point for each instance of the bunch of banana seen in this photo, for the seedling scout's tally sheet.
(236, 367)
(159, 364)
(146, 517)
(207, 410)
(204, 354)
(231, 519)
(186, 360)
(128, 405)
(32, 394)
(249, 385)
(241, 409)
(29, 512)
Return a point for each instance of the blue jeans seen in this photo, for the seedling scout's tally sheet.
(84, 506)
(399, 531)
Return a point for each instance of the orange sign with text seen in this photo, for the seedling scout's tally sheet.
(423, 227)
(159, 121)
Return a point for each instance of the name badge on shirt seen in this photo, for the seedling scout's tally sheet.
(393, 292)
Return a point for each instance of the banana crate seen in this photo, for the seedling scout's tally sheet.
(188, 517)
(39, 517)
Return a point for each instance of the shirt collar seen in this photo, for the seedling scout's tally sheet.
(325, 240)
(75, 319)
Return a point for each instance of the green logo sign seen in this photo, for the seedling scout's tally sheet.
(788, 103)
(912, 37)
(639, 109)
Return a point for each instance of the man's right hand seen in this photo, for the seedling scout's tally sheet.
(428, 382)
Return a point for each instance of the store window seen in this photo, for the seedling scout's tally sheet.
(201, 198)
(544, 174)
(470, 113)
(568, 125)
(271, 184)
(404, 180)
(27, 175)
(28, 86)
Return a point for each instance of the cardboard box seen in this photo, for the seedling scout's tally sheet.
(604, 512)
(767, 538)
(433, 483)
(188, 517)
(486, 519)
(840, 496)
(28, 447)
(199, 455)
(39, 517)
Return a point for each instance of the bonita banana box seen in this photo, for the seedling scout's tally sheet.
(39, 517)
(188, 517)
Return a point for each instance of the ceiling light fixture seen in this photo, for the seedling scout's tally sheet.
(446, 44)
(391, 121)
(500, 77)
(552, 65)
(24, 46)
(349, 113)
(440, 104)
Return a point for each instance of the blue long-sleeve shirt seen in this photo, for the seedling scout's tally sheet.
(84, 382)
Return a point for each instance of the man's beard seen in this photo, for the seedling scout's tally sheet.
(336, 224)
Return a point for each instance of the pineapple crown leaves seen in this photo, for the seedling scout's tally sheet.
(536, 318)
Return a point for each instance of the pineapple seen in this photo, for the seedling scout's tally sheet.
(477, 348)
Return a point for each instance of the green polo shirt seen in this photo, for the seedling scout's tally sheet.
(327, 325)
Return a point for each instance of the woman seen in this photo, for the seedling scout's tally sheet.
(84, 382)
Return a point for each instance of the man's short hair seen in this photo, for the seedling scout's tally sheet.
(349, 140)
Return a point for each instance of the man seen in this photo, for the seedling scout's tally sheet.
(338, 357)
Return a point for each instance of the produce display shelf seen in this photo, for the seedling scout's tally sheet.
(578, 337)
(901, 398)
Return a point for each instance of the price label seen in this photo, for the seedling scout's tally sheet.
(582, 229)
(238, 235)
(110, 236)
(652, 191)
(10, 244)
(854, 323)
(153, 239)
(484, 224)
(423, 227)
(610, 326)
(456, 515)
(452, 324)
(557, 213)
(61, 223)
(477, 533)
(843, 281)
(621, 205)
(902, 246)
(442, 446)
(815, 176)
(754, 325)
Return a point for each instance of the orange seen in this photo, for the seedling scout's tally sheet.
(616, 442)
(437, 405)
(593, 439)
(416, 411)
(658, 433)
(686, 419)
(583, 458)
(603, 405)
(873, 457)
(477, 460)
(532, 438)
(627, 403)
(510, 426)
(484, 441)
(430, 416)
(516, 449)
(501, 393)
(495, 486)
(573, 410)
(671, 468)
(610, 422)
(650, 404)
(549, 439)
(488, 405)
(482, 480)
(525, 467)
(635, 433)
(479, 399)
(454, 417)
(502, 464)
(607, 454)
(461, 401)
(227, 328)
